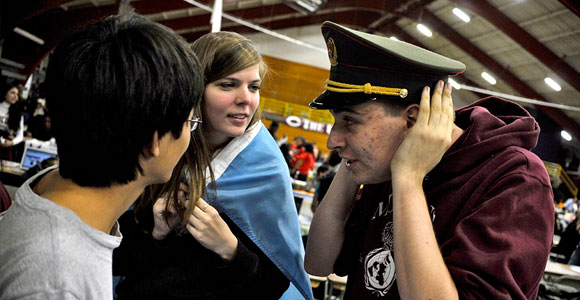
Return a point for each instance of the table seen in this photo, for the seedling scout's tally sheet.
(11, 173)
(330, 282)
(558, 269)
(337, 282)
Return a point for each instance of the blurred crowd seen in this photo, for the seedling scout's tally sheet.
(312, 170)
(23, 116)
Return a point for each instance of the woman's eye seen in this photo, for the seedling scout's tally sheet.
(226, 85)
(254, 88)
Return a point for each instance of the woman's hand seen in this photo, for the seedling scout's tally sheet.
(211, 231)
(162, 226)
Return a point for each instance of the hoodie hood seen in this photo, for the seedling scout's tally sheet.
(490, 125)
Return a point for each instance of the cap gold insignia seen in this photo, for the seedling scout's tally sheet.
(332, 55)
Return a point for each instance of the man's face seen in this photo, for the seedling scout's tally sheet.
(367, 137)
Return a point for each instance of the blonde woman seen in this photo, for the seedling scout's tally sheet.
(242, 240)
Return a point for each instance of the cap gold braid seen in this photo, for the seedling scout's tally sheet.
(367, 88)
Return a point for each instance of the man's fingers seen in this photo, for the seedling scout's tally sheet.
(424, 108)
(436, 108)
(447, 104)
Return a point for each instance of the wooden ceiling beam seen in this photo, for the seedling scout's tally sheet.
(401, 34)
(508, 77)
(555, 63)
(572, 5)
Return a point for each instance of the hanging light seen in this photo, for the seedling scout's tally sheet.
(424, 30)
(488, 78)
(565, 135)
(553, 84)
(462, 15)
(454, 83)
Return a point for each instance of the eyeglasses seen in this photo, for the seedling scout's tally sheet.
(193, 123)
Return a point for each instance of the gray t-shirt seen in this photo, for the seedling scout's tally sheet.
(48, 252)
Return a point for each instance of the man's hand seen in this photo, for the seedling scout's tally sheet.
(429, 138)
(421, 270)
(160, 210)
(211, 231)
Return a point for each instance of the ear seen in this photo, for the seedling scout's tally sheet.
(411, 113)
(152, 149)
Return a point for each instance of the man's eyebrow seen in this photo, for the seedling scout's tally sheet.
(343, 109)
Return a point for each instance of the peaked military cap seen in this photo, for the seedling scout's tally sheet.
(367, 67)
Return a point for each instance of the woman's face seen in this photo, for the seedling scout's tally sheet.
(11, 96)
(230, 104)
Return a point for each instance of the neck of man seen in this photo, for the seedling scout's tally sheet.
(98, 207)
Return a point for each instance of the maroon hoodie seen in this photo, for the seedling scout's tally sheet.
(492, 208)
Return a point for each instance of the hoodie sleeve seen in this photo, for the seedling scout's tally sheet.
(500, 249)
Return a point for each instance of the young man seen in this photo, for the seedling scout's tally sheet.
(448, 210)
(120, 94)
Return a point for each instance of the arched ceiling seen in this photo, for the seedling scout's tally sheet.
(520, 42)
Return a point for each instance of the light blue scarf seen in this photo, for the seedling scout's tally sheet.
(254, 190)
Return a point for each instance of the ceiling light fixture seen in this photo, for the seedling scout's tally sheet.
(488, 78)
(454, 83)
(565, 135)
(462, 15)
(553, 84)
(424, 30)
(306, 7)
(29, 35)
(394, 38)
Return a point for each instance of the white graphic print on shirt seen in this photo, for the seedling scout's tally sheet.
(380, 263)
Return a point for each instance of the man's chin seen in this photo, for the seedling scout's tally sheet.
(365, 178)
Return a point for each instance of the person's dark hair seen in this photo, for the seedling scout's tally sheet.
(395, 106)
(308, 148)
(301, 139)
(4, 88)
(14, 116)
(109, 87)
(285, 149)
(40, 127)
(323, 168)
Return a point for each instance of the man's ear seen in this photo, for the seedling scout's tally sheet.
(152, 149)
(411, 113)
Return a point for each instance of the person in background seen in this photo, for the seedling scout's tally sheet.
(571, 205)
(297, 143)
(567, 249)
(325, 179)
(315, 152)
(303, 162)
(242, 240)
(273, 128)
(11, 121)
(118, 130)
(450, 208)
(285, 149)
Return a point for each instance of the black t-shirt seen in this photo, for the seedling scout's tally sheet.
(178, 267)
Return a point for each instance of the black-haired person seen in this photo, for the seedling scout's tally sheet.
(450, 209)
(121, 94)
(242, 240)
(11, 121)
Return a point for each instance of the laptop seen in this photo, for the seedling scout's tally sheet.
(35, 152)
